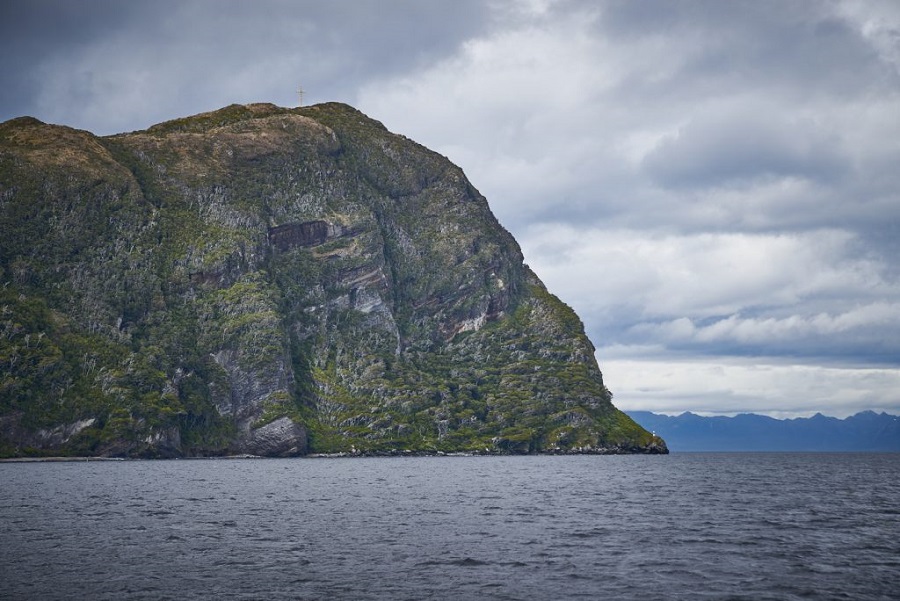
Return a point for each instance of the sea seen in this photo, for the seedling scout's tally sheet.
(748, 526)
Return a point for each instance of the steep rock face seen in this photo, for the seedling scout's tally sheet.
(275, 281)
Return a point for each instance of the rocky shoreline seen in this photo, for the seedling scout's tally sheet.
(355, 455)
(57, 459)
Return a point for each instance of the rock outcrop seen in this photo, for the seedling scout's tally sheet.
(277, 282)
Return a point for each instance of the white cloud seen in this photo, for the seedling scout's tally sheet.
(877, 20)
(729, 385)
(700, 275)
(744, 143)
(876, 318)
(866, 335)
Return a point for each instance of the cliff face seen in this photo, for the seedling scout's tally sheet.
(276, 282)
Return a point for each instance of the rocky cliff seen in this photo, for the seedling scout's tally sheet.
(276, 282)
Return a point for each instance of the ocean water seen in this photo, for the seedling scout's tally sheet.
(683, 526)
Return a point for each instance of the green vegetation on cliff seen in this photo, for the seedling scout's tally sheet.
(278, 282)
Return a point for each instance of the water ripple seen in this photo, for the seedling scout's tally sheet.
(705, 526)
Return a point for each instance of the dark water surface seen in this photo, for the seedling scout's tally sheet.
(683, 526)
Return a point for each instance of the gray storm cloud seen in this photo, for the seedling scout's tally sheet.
(712, 185)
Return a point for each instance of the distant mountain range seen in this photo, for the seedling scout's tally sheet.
(865, 431)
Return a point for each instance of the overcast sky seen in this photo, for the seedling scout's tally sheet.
(714, 186)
